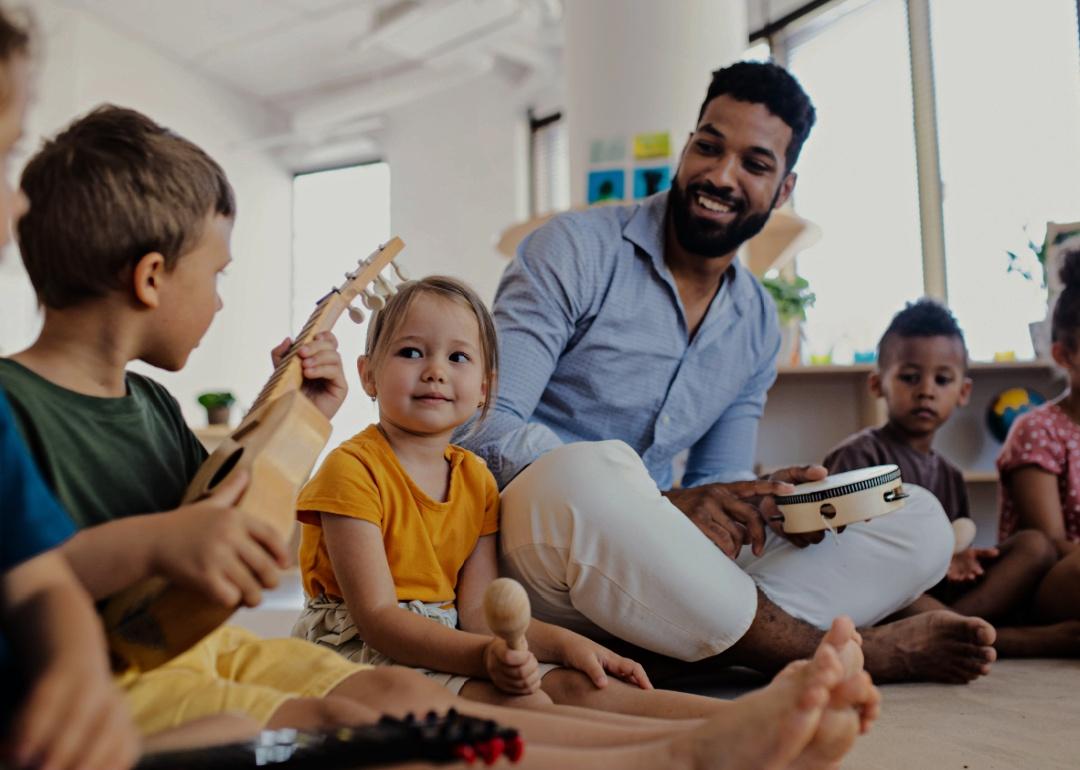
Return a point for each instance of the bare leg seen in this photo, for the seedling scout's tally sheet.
(1060, 640)
(1011, 579)
(209, 731)
(1058, 597)
(567, 686)
(321, 714)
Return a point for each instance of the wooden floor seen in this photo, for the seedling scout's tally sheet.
(1026, 714)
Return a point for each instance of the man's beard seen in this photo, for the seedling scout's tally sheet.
(708, 239)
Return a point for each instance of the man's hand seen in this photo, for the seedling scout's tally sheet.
(74, 717)
(512, 671)
(728, 513)
(775, 519)
(218, 549)
(324, 376)
(597, 661)
(965, 565)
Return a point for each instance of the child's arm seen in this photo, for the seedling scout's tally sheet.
(209, 546)
(1035, 493)
(357, 554)
(324, 376)
(73, 716)
(549, 643)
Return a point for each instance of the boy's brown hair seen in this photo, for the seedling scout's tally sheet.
(108, 190)
(386, 322)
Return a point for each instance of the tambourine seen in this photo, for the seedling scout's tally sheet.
(843, 499)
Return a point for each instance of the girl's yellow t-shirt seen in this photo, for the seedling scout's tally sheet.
(426, 541)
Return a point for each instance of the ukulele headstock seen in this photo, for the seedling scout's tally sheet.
(368, 282)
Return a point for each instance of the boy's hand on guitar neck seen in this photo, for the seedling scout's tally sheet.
(324, 375)
(219, 550)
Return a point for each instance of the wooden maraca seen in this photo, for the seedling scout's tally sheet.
(506, 608)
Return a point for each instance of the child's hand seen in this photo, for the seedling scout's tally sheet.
(217, 549)
(597, 661)
(512, 671)
(74, 717)
(965, 565)
(324, 376)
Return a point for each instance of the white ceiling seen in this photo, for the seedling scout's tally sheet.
(335, 64)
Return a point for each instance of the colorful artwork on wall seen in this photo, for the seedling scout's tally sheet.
(650, 180)
(606, 185)
(652, 145)
(611, 150)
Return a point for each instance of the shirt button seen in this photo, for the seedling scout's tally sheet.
(665, 419)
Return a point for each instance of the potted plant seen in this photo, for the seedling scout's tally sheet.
(1034, 267)
(217, 405)
(792, 298)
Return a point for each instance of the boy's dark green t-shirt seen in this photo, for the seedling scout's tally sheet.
(105, 458)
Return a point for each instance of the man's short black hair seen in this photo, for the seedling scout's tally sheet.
(772, 86)
(922, 318)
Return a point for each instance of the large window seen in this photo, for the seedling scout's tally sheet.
(1006, 89)
(1008, 92)
(339, 217)
(857, 177)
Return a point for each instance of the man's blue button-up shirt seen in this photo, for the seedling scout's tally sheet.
(594, 345)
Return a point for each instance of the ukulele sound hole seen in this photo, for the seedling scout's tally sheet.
(828, 510)
(225, 469)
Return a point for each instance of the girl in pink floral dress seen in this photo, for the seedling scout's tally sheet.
(1040, 466)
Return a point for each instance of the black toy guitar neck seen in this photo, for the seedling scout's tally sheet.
(434, 739)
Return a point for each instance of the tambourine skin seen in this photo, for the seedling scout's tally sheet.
(846, 498)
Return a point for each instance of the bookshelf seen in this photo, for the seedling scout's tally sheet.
(813, 408)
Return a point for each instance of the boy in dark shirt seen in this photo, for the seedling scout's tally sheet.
(922, 375)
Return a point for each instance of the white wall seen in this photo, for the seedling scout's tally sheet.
(86, 63)
(458, 177)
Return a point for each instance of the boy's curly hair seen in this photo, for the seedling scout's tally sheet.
(922, 318)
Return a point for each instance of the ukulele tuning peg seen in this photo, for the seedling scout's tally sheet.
(382, 287)
(372, 301)
(399, 271)
(356, 315)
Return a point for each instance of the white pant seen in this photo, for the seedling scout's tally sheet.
(601, 551)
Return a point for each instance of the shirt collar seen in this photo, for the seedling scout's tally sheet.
(645, 229)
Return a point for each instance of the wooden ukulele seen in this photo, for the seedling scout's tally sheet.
(277, 443)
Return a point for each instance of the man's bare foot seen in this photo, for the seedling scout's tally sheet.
(939, 646)
(1060, 640)
(770, 727)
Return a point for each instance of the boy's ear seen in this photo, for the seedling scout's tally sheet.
(965, 392)
(146, 279)
(874, 383)
(367, 379)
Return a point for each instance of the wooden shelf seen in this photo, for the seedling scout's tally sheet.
(811, 370)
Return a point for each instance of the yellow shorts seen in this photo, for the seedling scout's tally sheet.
(232, 670)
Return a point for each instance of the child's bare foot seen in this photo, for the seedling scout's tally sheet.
(857, 690)
(772, 726)
(847, 642)
(836, 734)
(939, 646)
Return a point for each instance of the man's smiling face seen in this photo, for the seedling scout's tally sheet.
(731, 175)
